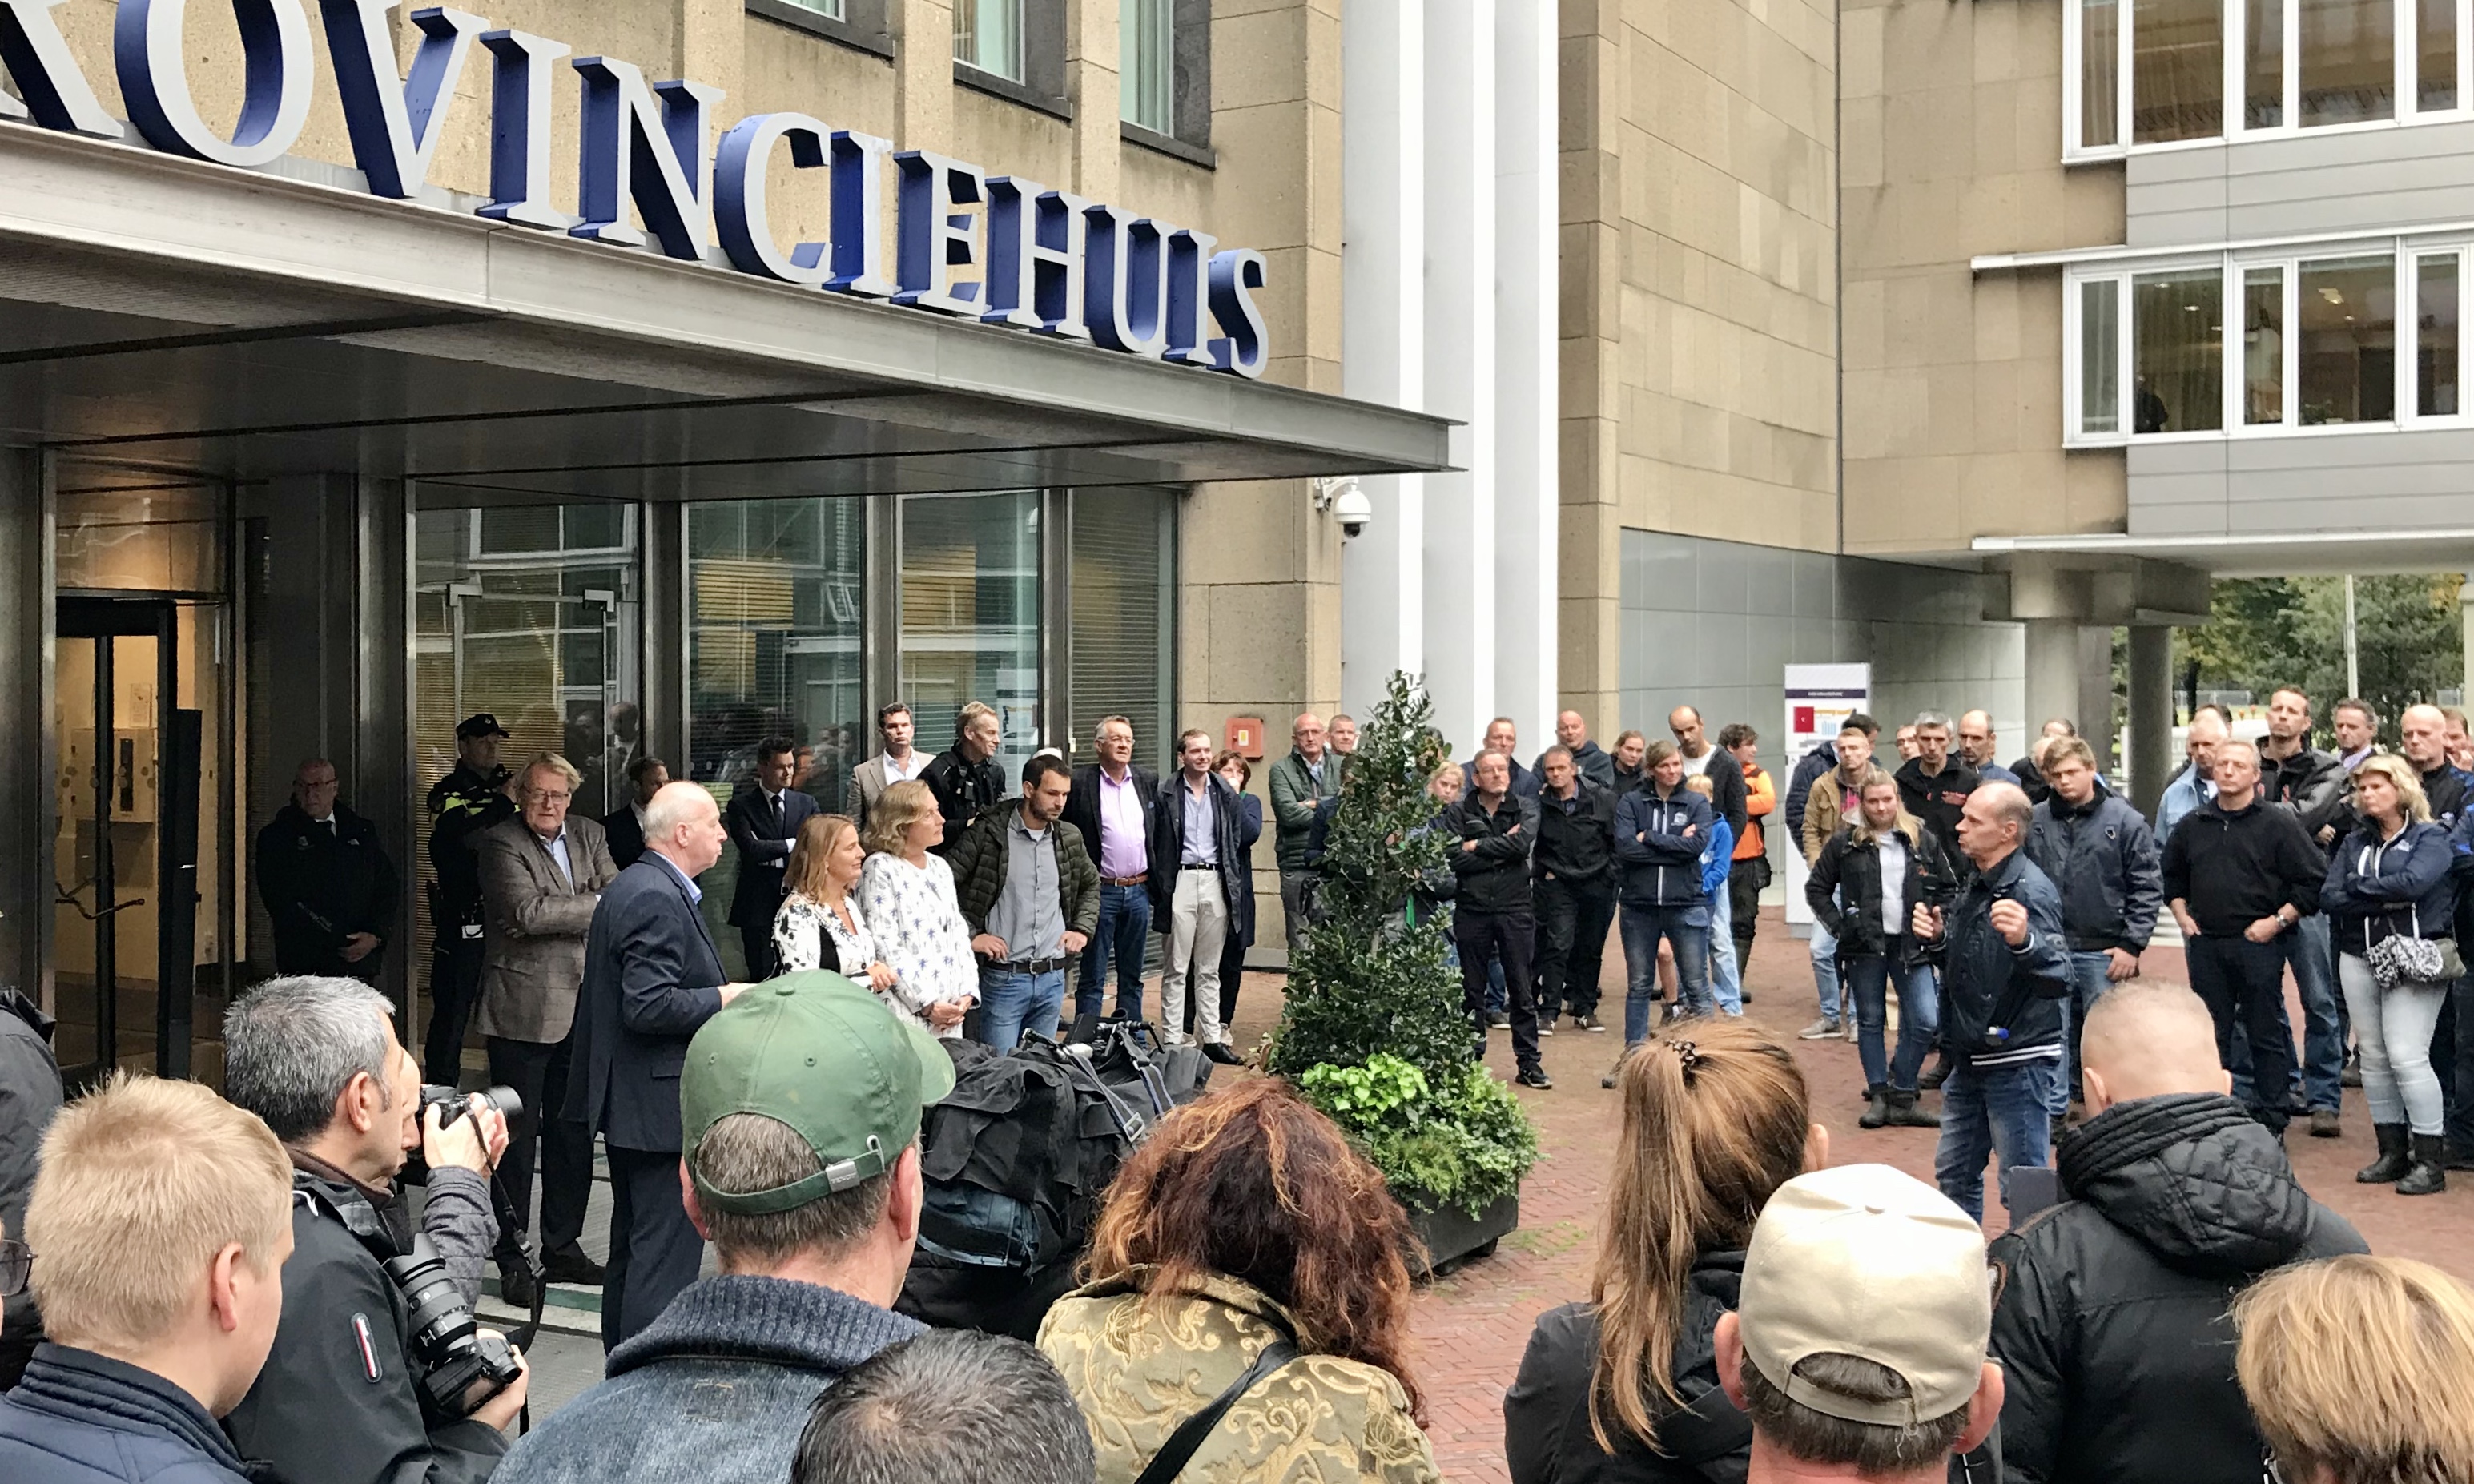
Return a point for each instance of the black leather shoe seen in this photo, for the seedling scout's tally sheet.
(1534, 1077)
(1218, 1051)
(515, 1287)
(570, 1265)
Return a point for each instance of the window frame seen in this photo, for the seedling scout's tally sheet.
(2404, 253)
(2234, 32)
(1189, 134)
(1042, 85)
(864, 25)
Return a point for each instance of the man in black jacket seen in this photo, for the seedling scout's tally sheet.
(339, 1400)
(1573, 864)
(2110, 1321)
(472, 797)
(1114, 807)
(965, 777)
(1705, 758)
(30, 1098)
(327, 882)
(2100, 853)
(1933, 786)
(1493, 910)
(2238, 874)
(2312, 783)
(763, 821)
(1591, 761)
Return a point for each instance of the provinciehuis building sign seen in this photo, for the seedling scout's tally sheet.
(1046, 261)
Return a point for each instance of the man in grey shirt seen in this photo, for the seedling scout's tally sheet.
(1032, 897)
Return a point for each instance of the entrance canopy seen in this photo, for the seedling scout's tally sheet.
(180, 314)
(2274, 555)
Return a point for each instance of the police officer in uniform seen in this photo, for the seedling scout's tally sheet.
(465, 802)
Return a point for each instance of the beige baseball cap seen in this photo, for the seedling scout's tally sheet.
(1865, 1261)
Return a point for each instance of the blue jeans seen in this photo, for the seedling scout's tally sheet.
(1993, 1110)
(1499, 999)
(1688, 928)
(1868, 981)
(1824, 972)
(2323, 1028)
(2088, 984)
(1125, 930)
(1011, 1002)
(1726, 984)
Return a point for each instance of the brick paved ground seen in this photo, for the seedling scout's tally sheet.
(1472, 1326)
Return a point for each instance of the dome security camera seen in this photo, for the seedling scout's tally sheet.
(1347, 503)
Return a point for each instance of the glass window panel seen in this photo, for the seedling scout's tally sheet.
(134, 531)
(2177, 79)
(2100, 357)
(2177, 351)
(2434, 347)
(2099, 67)
(2436, 51)
(970, 616)
(1147, 40)
(987, 34)
(1123, 561)
(2264, 63)
(773, 639)
(2348, 55)
(2263, 346)
(2346, 316)
(832, 8)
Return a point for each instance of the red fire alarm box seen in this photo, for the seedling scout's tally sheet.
(1245, 738)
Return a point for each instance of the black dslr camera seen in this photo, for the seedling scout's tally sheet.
(461, 1367)
(456, 1103)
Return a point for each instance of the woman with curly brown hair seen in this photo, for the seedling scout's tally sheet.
(1247, 1254)
(1715, 1118)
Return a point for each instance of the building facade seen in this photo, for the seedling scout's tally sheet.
(366, 370)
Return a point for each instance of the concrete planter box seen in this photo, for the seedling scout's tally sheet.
(1453, 1236)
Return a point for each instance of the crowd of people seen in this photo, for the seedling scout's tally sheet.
(240, 1287)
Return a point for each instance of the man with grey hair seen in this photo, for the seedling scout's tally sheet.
(945, 1405)
(1933, 786)
(2197, 783)
(1859, 1348)
(2004, 976)
(318, 1060)
(800, 1104)
(542, 873)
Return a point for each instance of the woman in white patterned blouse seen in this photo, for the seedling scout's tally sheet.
(819, 926)
(906, 896)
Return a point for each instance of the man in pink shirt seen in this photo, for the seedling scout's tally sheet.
(1115, 808)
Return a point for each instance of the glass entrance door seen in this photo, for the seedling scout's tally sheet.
(125, 853)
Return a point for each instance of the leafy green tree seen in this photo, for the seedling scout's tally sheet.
(2265, 632)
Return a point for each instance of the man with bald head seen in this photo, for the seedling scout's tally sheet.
(1591, 761)
(1702, 757)
(2110, 1319)
(2196, 784)
(2238, 874)
(2006, 973)
(2422, 736)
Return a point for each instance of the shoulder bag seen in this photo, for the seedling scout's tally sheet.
(1181, 1447)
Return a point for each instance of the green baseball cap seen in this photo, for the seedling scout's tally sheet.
(818, 1053)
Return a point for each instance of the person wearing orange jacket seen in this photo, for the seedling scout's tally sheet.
(1751, 871)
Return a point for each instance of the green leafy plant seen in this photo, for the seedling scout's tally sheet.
(1374, 1033)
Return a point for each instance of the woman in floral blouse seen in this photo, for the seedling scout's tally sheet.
(905, 897)
(819, 926)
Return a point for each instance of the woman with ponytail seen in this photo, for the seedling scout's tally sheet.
(1625, 1387)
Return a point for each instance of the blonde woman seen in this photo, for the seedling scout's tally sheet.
(2357, 1371)
(1715, 1118)
(2389, 892)
(905, 897)
(819, 926)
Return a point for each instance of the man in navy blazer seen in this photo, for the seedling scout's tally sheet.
(763, 821)
(651, 977)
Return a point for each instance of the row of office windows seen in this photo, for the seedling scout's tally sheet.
(1164, 47)
(2248, 343)
(2140, 73)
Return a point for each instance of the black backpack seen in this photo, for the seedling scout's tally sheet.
(1016, 1160)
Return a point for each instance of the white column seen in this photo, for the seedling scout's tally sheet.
(1527, 502)
(1460, 554)
(2152, 714)
(1383, 332)
(2053, 670)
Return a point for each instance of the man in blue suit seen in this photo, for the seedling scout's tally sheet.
(651, 977)
(764, 822)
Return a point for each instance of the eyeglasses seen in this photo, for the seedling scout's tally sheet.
(545, 796)
(16, 1263)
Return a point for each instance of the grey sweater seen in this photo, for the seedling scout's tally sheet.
(716, 1390)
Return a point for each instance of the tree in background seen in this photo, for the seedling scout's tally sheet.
(2265, 632)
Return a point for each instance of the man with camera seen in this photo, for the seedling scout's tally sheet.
(368, 1341)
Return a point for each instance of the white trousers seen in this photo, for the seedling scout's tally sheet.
(1197, 930)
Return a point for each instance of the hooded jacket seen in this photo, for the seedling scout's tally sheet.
(1546, 1433)
(2378, 890)
(1657, 863)
(1850, 873)
(2104, 858)
(2110, 1321)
